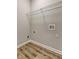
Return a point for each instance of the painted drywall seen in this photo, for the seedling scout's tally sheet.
(23, 7)
(39, 25)
(37, 4)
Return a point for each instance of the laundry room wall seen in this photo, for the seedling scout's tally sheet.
(23, 7)
(40, 22)
(37, 4)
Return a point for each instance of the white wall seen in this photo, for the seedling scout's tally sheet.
(23, 7)
(40, 25)
(37, 4)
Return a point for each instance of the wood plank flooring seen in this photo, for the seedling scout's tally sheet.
(33, 51)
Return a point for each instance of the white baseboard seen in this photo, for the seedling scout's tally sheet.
(40, 44)
(26, 42)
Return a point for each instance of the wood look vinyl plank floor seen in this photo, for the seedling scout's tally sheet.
(32, 51)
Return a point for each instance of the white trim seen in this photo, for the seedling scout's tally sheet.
(37, 43)
(47, 47)
(26, 42)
